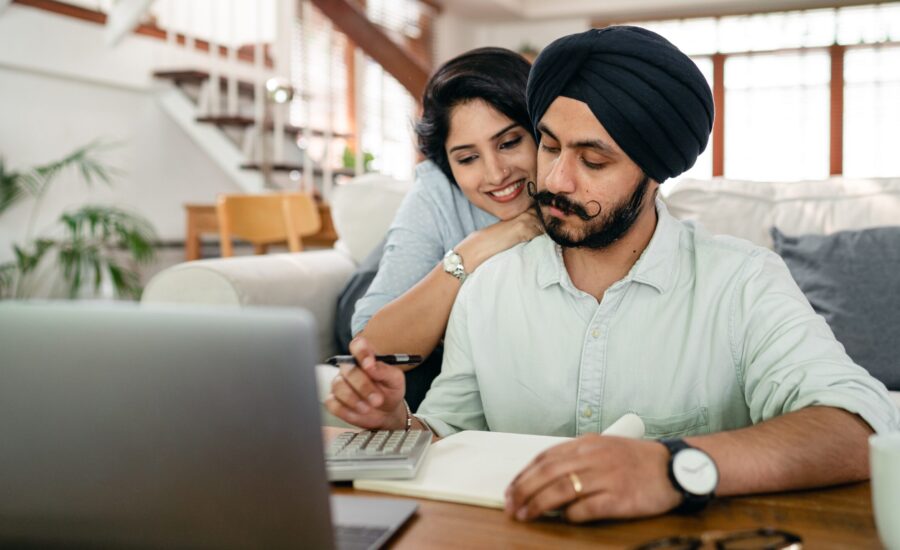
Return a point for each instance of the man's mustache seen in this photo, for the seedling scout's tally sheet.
(561, 203)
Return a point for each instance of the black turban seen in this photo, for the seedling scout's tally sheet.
(650, 97)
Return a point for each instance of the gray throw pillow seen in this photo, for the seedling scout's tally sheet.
(353, 291)
(852, 278)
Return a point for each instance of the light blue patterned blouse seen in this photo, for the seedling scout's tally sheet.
(433, 218)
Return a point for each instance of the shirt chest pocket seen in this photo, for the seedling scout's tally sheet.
(692, 422)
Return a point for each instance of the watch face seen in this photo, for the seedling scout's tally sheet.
(451, 261)
(695, 471)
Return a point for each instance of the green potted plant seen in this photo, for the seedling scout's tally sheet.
(91, 244)
(348, 160)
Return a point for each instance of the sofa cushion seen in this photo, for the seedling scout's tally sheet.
(747, 209)
(309, 280)
(362, 211)
(851, 279)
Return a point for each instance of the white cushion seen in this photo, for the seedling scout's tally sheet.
(310, 280)
(363, 209)
(748, 209)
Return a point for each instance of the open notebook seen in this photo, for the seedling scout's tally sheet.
(476, 467)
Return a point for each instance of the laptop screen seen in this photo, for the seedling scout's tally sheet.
(160, 426)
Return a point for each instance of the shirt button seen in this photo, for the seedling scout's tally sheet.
(587, 412)
(595, 333)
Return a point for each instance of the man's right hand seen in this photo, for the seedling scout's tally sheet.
(370, 395)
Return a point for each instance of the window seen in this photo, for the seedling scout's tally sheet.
(388, 109)
(872, 112)
(776, 108)
(325, 95)
(777, 91)
(387, 116)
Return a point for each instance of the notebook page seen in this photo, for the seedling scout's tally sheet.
(475, 468)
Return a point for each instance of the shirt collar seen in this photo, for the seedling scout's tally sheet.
(656, 266)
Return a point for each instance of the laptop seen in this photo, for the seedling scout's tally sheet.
(168, 427)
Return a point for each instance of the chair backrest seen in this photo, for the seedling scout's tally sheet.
(266, 219)
(302, 210)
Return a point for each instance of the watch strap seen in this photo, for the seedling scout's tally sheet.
(690, 502)
(458, 270)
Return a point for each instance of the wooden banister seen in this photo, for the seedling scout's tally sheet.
(350, 19)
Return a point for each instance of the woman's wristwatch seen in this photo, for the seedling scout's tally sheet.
(453, 264)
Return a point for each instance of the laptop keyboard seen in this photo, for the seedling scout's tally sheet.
(351, 537)
(370, 454)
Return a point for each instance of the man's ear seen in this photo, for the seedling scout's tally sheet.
(654, 188)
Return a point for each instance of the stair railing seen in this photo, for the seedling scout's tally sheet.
(227, 21)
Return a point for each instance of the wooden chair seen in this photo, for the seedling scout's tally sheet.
(266, 219)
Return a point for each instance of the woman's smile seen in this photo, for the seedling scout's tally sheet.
(509, 192)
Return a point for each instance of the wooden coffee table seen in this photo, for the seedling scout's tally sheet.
(839, 517)
(835, 517)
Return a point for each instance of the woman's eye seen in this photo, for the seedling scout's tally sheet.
(466, 160)
(511, 143)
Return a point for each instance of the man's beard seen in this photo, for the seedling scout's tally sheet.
(598, 231)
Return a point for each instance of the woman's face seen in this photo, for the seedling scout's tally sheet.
(492, 158)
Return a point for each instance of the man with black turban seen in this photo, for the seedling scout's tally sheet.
(622, 308)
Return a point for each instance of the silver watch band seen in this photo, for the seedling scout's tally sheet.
(453, 264)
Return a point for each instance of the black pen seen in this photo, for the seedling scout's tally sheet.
(394, 359)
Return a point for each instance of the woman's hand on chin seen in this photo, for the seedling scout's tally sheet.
(503, 235)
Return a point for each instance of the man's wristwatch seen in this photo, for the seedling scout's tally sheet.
(693, 473)
(453, 264)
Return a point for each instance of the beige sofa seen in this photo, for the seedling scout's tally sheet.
(363, 210)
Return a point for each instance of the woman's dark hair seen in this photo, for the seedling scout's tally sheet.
(495, 75)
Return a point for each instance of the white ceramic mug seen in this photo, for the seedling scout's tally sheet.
(884, 459)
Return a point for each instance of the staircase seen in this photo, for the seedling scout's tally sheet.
(208, 72)
(229, 106)
(234, 139)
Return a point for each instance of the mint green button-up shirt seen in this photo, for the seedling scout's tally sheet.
(705, 333)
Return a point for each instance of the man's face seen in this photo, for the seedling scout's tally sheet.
(589, 192)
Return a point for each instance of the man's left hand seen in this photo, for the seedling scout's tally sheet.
(619, 478)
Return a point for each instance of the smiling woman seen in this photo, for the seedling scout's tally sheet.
(468, 203)
(492, 158)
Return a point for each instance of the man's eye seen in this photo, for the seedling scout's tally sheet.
(511, 143)
(549, 149)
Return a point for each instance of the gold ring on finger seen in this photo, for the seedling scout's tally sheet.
(576, 483)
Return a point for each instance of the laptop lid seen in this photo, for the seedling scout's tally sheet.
(153, 427)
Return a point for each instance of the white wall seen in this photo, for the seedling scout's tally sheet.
(44, 118)
(61, 88)
(455, 34)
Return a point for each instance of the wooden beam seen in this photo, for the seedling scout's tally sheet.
(836, 153)
(718, 134)
(350, 64)
(144, 29)
(63, 8)
(352, 21)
